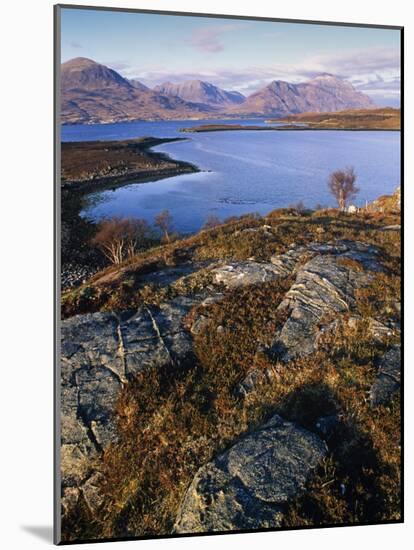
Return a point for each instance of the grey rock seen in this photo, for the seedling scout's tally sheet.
(247, 486)
(254, 379)
(323, 286)
(100, 353)
(170, 274)
(388, 379)
(91, 492)
(286, 263)
(213, 299)
(395, 227)
(238, 274)
(200, 324)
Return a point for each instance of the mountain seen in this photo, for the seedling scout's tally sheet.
(198, 91)
(323, 93)
(138, 85)
(91, 92)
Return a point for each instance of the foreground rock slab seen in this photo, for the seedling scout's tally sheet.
(100, 353)
(247, 486)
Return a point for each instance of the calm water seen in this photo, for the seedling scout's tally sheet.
(245, 171)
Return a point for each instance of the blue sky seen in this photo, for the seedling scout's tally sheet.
(233, 54)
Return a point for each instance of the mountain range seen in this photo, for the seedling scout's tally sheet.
(94, 93)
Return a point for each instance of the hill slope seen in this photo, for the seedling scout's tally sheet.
(92, 92)
(384, 118)
(324, 93)
(210, 370)
(198, 91)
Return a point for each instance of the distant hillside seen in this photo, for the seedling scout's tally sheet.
(94, 93)
(323, 93)
(198, 91)
(385, 118)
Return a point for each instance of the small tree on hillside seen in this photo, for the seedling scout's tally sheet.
(341, 183)
(121, 238)
(164, 222)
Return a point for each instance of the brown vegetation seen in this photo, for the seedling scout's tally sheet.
(121, 238)
(119, 287)
(170, 423)
(386, 118)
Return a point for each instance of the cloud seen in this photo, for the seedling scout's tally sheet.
(375, 71)
(208, 39)
(358, 61)
(75, 45)
(118, 65)
(382, 91)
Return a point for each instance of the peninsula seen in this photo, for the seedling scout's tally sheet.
(90, 165)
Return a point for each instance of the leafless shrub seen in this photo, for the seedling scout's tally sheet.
(341, 184)
(164, 222)
(121, 238)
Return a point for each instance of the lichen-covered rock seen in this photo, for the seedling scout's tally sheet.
(247, 486)
(237, 274)
(100, 353)
(324, 287)
(388, 379)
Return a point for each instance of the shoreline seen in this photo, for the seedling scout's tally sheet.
(167, 166)
(284, 128)
(79, 260)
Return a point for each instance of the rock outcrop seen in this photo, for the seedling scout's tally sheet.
(100, 353)
(237, 274)
(247, 486)
(325, 286)
(388, 379)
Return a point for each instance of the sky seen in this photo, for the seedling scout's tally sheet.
(240, 55)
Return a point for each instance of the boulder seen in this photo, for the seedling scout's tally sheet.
(247, 486)
(388, 380)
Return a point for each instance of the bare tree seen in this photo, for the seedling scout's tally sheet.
(342, 186)
(121, 238)
(211, 222)
(163, 221)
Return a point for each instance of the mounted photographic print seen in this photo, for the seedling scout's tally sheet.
(228, 274)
